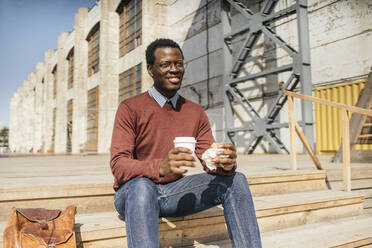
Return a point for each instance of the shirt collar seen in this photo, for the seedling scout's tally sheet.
(161, 100)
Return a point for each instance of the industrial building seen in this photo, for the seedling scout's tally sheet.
(68, 104)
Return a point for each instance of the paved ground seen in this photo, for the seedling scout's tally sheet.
(20, 171)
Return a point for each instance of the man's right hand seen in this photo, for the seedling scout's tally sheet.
(176, 157)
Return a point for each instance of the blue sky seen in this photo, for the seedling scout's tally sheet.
(28, 28)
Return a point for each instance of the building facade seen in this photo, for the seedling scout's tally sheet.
(68, 104)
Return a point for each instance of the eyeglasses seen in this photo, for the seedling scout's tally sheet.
(167, 65)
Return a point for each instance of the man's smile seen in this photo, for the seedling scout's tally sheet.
(174, 79)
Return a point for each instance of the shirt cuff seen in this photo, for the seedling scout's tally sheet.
(230, 171)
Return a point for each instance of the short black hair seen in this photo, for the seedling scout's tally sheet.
(150, 50)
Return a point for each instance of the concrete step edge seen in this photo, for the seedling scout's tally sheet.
(296, 236)
(344, 232)
(103, 225)
(99, 189)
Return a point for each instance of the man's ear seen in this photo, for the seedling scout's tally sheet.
(149, 70)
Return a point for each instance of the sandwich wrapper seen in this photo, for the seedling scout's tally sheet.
(209, 154)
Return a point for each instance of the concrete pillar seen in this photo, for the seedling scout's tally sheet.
(31, 96)
(61, 118)
(108, 88)
(13, 122)
(22, 117)
(18, 128)
(25, 115)
(49, 101)
(80, 82)
(39, 106)
(154, 18)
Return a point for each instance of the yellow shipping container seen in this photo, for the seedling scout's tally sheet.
(328, 119)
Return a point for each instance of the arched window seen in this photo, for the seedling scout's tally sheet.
(70, 105)
(54, 72)
(70, 76)
(52, 145)
(92, 120)
(130, 25)
(93, 50)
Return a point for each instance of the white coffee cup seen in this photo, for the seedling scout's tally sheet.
(186, 142)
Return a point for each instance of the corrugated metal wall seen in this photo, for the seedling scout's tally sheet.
(328, 119)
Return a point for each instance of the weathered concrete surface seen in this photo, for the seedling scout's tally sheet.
(38, 169)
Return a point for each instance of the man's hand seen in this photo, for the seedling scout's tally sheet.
(226, 159)
(176, 157)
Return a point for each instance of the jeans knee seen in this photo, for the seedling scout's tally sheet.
(240, 178)
(142, 192)
(240, 182)
(138, 193)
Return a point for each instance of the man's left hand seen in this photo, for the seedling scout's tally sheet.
(225, 159)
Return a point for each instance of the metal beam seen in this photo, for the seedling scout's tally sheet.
(244, 128)
(258, 23)
(237, 32)
(248, 127)
(281, 98)
(227, 55)
(241, 8)
(268, 6)
(274, 37)
(276, 125)
(242, 99)
(305, 70)
(263, 74)
(280, 14)
(245, 50)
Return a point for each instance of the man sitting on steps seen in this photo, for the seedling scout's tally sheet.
(149, 182)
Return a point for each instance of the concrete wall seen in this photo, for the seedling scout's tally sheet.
(200, 33)
(79, 114)
(340, 38)
(108, 91)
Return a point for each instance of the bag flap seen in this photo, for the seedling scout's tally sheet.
(49, 236)
(39, 214)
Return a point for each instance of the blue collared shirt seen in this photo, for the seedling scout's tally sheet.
(161, 100)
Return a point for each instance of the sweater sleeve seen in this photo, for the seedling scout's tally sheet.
(204, 141)
(123, 164)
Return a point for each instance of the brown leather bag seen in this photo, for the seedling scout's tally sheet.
(40, 228)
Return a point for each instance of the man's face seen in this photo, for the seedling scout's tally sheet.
(167, 70)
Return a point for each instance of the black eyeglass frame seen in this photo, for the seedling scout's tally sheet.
(167, 65)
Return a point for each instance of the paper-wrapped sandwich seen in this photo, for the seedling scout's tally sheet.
(211, 153)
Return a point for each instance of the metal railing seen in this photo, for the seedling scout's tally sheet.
(346, 111)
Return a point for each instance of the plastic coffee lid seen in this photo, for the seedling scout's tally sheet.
(184, 139)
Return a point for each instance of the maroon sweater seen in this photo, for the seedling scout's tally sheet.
(143, 135)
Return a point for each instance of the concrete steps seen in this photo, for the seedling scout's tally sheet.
(346, 232)
(273, 212)
(341, 233)
(89, 198)
(284, 200)
(361, 182)
(98, 197)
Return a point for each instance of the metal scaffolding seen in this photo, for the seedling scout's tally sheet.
(235, 75)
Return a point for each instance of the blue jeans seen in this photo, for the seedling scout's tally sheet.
(142, 202)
